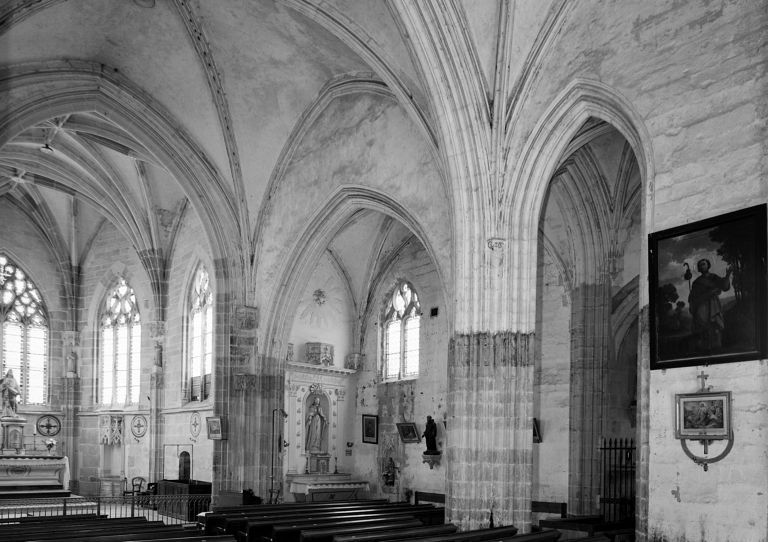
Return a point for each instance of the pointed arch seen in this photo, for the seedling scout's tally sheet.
(529, 176)
(24, 331)
(311, 244)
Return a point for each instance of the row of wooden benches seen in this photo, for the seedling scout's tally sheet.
(351, 521)
(97, 528)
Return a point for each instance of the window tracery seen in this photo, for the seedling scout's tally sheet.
(402, 322)
(24, 332)
(120, 347)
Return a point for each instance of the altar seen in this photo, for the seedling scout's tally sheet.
(325, 487)
(34, 475)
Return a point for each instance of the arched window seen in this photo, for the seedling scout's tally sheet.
(24, 333)
(402, 318)
(120, 347)
(200, 334)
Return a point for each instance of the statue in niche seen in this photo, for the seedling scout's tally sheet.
(316, 427)
(430, 436)
(9, 391)
(72, 362)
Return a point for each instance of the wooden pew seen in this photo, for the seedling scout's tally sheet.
(45, 528)
(496, 534)
(43, 519)
(546, 507)
(82, 531)
(423, 531)
(479, 535)
(232, 525)
(291, 532)
(256, 529)
(384, 532)
(220, 522)
(428, 497)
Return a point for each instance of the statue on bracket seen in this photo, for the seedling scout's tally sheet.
(430, 436)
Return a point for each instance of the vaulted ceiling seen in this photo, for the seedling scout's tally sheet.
(236, 77)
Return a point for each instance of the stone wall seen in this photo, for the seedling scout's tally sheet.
(407, 400)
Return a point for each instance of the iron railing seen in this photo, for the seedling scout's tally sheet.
(618, 497)
(170, 509)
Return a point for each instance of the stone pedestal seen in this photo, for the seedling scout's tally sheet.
(13, 434)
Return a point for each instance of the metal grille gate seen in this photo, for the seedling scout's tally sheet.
(618, 497)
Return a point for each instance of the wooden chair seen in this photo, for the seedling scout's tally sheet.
(137, 484)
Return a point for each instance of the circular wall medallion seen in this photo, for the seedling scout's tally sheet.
(48, 425)
(139, 426)
(195, 424)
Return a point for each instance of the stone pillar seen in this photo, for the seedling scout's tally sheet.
(489, 456)
(70, 403)
(591, 344)
(156, 382)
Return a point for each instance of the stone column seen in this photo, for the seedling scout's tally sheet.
(490, 388)
(70, 401)
(591, 344)
(156, 382)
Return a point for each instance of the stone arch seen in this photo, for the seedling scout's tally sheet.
(541, 156)
(550, 152)
(316, 236)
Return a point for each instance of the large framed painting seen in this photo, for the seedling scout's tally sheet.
(708, 290)
(705, 415)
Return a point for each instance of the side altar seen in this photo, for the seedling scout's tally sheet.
(22, 475)
(325, 487)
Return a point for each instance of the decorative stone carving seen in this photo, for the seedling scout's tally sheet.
(320, 354)
(111, 430)
(353, 361)
(247, 318)
(157, 329)
(245, 382)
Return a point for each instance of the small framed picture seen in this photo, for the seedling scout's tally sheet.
(705, 415)
(370, 428)
(408, 432)
(215, 427)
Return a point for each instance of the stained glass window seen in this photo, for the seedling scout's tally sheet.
(120, 347)
(24, 333)
(200, 334)
(402, 321)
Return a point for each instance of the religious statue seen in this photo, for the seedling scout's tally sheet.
(71, 363)
(316, 426)
(9, 391)
(430, 435)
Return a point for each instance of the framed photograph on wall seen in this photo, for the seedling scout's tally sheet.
(370, 428)
(215, 426)
(708, 290)
(705, 415)
(408, 432)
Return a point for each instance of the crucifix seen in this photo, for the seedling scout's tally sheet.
(703, 377)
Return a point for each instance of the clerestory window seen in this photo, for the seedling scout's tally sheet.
(120, 347)
(200, 336)
(402, 318)
(24, 333)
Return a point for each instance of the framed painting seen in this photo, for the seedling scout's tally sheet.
(370, 428)
(708, 290)
(215, 428)
(703, 415)
(408, 432)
